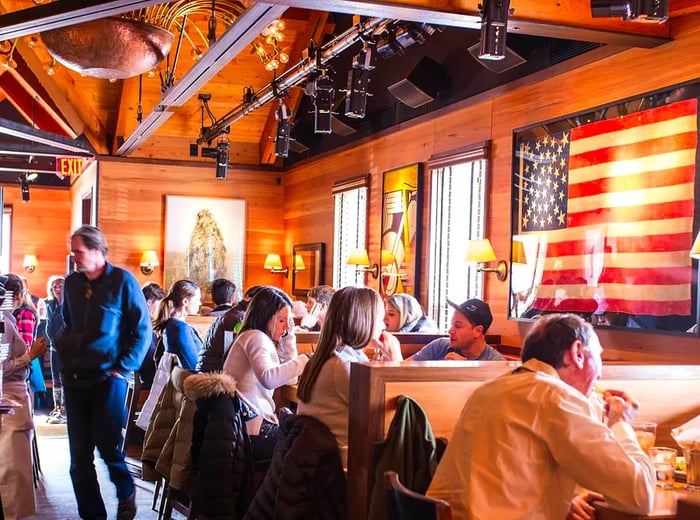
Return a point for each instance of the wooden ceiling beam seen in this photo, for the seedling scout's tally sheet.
(315, 30)
(533, 17)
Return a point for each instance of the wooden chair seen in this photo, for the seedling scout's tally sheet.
(404, 504)
(687, 509)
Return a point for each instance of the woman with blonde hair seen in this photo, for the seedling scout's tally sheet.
(179, 337)
(54, 325)
(404, 314)
(354, 321)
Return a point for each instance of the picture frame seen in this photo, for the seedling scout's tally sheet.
(400, 238)
(204, 240)
(309, 266)
(604, 214)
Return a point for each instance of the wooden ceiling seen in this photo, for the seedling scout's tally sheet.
(104, 113)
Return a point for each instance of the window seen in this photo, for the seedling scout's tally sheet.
(349, 228)
(457, 214)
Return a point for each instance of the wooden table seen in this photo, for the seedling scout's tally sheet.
(664, 505)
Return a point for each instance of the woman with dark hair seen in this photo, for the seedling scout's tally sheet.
(180, 338)
(255, 364)
(354, 321)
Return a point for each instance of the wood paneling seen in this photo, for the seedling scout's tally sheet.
(131, 211)
(40, 227)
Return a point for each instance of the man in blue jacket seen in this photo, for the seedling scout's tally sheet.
(106, 336)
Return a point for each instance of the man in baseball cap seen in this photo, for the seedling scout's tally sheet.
(467, 340)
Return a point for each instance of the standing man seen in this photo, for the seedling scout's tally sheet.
(107, 332)
(526, 438)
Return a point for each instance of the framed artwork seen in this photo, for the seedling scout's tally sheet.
(400, 237)
(204, 240)
(605, 213)
(309, 265)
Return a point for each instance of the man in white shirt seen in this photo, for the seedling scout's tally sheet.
(525, 439)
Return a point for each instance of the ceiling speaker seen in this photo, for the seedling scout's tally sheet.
(512, 59)
(422, 85)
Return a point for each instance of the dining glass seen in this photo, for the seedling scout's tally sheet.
(646, 434)
(664, 460)
(692, 468)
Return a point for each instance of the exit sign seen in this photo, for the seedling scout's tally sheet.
(68, 166)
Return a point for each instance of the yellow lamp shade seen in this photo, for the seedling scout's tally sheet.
(29, 263)
(273, 261)
(149, 259)
(695, 250)
(358, 256)
(519, 256)
(299, 263)
(479, 251)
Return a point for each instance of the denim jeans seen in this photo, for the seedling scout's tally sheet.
(96, 414)
(263, 444)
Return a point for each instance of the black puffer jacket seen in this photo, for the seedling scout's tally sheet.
(305, 479)
(221, 455)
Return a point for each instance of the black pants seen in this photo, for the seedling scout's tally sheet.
(263, 444)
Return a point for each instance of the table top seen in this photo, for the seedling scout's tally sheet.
(664, 505)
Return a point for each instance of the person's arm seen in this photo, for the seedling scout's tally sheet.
(601, 459)
(54, 321)
(181, 340)
(137, 330)
(389, 345)
(263, 359)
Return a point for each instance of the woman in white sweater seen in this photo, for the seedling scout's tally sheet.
(354, 321)
(254, 362)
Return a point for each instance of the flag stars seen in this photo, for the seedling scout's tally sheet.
(565, 139)
(561, 219)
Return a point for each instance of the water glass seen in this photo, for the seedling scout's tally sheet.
(664, 460)
(692, 468)
(646, 434)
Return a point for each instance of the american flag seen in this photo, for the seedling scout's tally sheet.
(610, 205)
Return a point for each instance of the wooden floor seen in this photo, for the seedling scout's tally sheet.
(54, 495)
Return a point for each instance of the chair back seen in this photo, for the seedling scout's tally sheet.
(687, 509)
(404, 504)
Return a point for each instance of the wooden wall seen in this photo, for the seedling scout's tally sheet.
(555, 93)
(131, 211)
(40, 227)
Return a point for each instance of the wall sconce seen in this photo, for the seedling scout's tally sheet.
(519, 255)
(274, 264)
(481, 252)
(29, 263)
(149, 261)
(299, 263)
(360, 259)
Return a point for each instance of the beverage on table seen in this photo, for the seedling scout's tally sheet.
(646, 434)
(664, 463)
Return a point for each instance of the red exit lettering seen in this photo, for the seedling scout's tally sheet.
(69, 166)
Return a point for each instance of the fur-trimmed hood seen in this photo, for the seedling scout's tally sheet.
(204, 385)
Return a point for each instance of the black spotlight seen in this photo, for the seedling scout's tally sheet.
(284, 128)
(638, 10)
(358, 81)
(494, 27)
(24, 187)
(222, 148)
(323, 104)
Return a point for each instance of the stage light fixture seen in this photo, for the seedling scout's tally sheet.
(284, 128)
(222, 149)
(494, 27)
(358, 82)
(654, 11)
(24, 187)
(323, 104)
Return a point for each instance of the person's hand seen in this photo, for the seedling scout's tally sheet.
(38, 348)
(581, 508)
(620, 407)
(389, 345)
(453, 356)
(311, 318)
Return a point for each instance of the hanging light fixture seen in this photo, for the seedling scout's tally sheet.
(268, 47)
